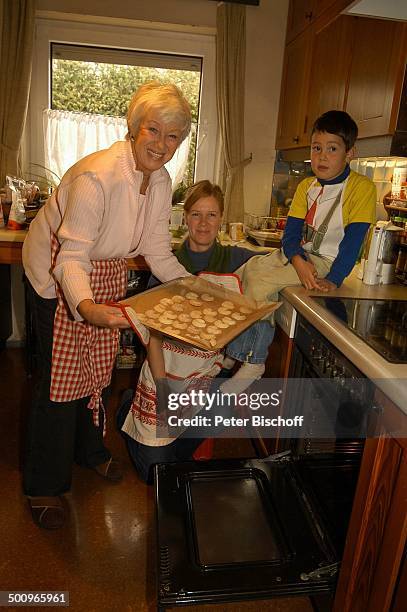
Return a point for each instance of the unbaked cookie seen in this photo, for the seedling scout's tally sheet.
(199, 323)
(196, 314)
(212, 329)
(160, 308)
(228, 304)
(221, 324)
(224, 311)
(177, 307)
(209, 311)
(180, 325)
(152, 314)
(206, 297)
(238, 316)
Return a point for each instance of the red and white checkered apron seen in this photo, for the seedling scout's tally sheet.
(82, 354)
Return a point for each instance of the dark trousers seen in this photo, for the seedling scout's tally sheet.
(59, 433)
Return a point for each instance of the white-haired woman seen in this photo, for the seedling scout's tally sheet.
(112, 205)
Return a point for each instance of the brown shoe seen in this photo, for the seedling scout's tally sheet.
(110, 470)
(48, 512)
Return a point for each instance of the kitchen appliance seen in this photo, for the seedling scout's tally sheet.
(382, 324)
(244, 529)
(382, 247)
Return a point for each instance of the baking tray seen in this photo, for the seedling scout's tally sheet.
(196, 311)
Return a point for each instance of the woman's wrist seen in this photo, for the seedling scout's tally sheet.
(84, 308)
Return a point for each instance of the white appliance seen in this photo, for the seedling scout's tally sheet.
(378, 267)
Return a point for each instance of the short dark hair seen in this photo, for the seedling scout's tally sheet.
(339, 123)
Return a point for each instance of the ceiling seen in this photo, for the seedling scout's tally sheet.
(388, 9)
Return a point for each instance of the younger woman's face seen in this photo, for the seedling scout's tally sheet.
(203, 220)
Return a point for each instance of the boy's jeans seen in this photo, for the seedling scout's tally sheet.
(252, 345)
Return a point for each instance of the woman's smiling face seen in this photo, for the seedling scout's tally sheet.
(203, 220)
(155, 143)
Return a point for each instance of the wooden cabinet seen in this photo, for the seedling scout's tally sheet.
(372, 573)
(376, 73)
(299, 17)
(293, 93)
(342, 62)
(304, 12)
(327, 82)
(279, 357)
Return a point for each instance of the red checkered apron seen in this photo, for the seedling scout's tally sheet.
(82, 354)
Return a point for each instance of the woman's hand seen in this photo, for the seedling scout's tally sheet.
(306, 273)
(102, 315)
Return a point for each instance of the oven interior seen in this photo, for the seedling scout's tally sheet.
(256, 528)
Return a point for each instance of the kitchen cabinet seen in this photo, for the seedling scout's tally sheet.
(6, 327)
(342, 62)
(278, 360)
(304, 12)
(327, 83)
(372, 572)
(293, 89)
(376, 74)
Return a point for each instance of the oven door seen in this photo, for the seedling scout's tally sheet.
(237, 530)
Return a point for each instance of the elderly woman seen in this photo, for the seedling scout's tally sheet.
(111, 205)
(137, 416)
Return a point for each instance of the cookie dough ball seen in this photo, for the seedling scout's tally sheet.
(206, 297)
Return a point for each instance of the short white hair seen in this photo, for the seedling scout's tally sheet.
(166, 99)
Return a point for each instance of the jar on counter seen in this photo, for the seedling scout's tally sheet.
(401, 260)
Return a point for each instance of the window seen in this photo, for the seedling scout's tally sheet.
(90, 91)
(62, 43)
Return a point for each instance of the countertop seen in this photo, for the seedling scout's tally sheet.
(391, 378)
(8, 235)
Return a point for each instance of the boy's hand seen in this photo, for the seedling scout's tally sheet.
(306, 273)
(326, 285)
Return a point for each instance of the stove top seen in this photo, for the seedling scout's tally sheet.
(382, 324)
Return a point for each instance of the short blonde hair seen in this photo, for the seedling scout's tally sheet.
(166, 99)
(203, 189)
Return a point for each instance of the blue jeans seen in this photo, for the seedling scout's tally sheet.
(252, 345)
(145, 457)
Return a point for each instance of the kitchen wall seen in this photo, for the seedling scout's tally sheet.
(265, 49)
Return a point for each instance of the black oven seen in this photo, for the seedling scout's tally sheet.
(258, 528)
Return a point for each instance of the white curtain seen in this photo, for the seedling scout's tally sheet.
(70, 136)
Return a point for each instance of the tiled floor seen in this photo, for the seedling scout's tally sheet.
(105, 555)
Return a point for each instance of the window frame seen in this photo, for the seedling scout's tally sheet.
(132, 37)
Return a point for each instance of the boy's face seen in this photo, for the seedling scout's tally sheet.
(328, 155)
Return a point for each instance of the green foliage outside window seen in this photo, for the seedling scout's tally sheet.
(106, 89)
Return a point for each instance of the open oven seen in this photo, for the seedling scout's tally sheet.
(257, 528)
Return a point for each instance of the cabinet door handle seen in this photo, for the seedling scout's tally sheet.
(296, 139)
(308, 15)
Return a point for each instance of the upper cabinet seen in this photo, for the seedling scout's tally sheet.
(302, 13)
(326, 87)
(376, 74)
(293, 89)
(340, 62)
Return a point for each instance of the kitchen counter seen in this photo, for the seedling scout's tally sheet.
(391, 378)
(11, 242)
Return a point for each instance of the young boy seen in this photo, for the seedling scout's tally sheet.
(326, 225)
